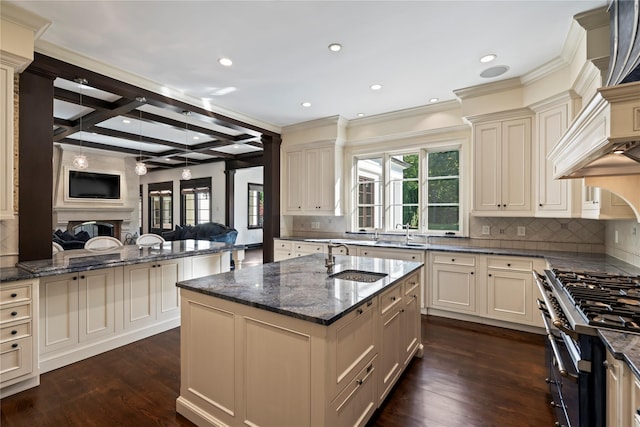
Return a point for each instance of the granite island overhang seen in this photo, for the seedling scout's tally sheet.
(286, 344)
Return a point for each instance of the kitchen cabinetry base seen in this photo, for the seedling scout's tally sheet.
(483, 320)
(20, 386)
(93, 348)
(196, 415)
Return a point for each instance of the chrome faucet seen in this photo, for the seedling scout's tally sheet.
(331, 259)
(407, 237)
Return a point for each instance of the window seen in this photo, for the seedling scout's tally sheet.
(195, 201)
(160, 207)
(255, 205)
(419, 188)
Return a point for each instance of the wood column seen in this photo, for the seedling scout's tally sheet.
(230, 186)
(35, 165)
(271, 183)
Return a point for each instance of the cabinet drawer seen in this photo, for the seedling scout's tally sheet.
(13, 332)
(16, 359)
(510, 263)
(282, 245)
(355, 404)
(412, 285)
(19, 312)
(390, 298)
(309, 248)
(17, 294)
(455, 259)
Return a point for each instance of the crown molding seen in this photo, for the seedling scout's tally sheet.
(452, 132)
(80, 60)
(594, 18)
(560, 98)
(336, 120)
(19, 16)
(405, 113)
(488, 88)
(499, 115)
(544, 71)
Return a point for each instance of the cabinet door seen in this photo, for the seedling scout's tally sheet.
(205, 265)
(314, 180)
(295, 172)
(139, 295)
(96, 303)
(58, 312)
(454, 288)
(553, 194)
(167, 274)
(411, 318)
(6, 142)
(509, 295)
(391, 340)
(488, 159)
(616, 397)
(516, 165)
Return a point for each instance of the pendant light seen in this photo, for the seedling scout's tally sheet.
(141, 168)
(80, 160)
(186, 172)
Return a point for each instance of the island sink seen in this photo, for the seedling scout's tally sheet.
(358, 276)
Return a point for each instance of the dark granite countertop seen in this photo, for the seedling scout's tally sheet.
(301, 287)
(83, 259)
(623, 346)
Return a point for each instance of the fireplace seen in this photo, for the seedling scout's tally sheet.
(110, 228)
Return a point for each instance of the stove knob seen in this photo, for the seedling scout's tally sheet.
(549, 381)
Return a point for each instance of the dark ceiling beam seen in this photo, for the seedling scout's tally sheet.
(63, 122)
(135, 137)
(256, 144)
(74, 98)
(71, 72)
(250, 162)
(97, 145)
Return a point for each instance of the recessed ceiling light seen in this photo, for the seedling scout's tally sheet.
(434, 100)
(196, 137)
(126, 121)
(306, 104)
(360, 114)
(225, 62)
(496, 71)
(335, 47)
(376, 86)
(488, 58)
(618, 152)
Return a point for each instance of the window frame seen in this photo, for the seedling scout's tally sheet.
(163, 190)
(195, 186)
(249, 206)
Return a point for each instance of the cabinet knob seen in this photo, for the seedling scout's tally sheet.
(402, 310)
(393, 298)
(508, 264)
(359, 311)
(14, 295)
(540, 204)
(14, 313)
(369, 303)
(82, 277)
(471, 273)
(14, 332)
(75, 277)
(14, 345)
(489, 274)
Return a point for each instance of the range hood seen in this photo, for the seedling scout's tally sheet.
(604, 140)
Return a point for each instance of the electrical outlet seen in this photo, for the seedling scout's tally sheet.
(564, 226)
(521, 230)
(502, 231)
(486, 229)
(315, 224)
(615, 237)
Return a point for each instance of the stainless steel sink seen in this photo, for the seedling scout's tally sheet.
(358, 276)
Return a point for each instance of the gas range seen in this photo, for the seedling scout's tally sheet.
(598, 300)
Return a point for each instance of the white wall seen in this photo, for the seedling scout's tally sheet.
(627, 246)
(218, 189)
(241, 200)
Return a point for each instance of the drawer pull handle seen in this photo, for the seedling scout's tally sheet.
(508, 265)
(453, 260)
(393, 298)
(82, 277)
(14, 313)
(14, 295)
(14, 332)
(369, 303)
(360, 311)
(14, 345)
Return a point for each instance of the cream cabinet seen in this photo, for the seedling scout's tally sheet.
(619, 384)
(312, 176)
(598, 203)
(453, 282)
(309, 248)
(502, 167)
(18, 326)
(391, 340)
(75, 308)
(6, 142)
(206, 265)
(151, 293)
(556, 198)
(411, 328)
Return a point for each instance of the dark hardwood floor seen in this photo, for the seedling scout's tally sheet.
(471, 375)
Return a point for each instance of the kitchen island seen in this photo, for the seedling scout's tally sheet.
(286, 344)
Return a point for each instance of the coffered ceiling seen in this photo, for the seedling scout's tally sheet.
(417, 51)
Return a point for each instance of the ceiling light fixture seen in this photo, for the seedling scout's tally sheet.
(306, 104)
(434, 100)
(376, 86)
(225, 62)
(141, 168)
(618, 151)
(186, 172)
(488, 58)
(360, 114)
(335, 47)
(127, 121)
(80, 160)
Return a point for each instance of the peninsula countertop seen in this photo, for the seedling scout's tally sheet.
(301, 287)
(84, 259)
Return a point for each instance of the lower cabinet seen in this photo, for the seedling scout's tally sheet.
(619, 394)
(391, 340)
(18, 351)
(499, 288)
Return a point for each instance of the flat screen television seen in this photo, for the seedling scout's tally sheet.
(91, 185)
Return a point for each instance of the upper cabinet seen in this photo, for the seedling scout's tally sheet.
(6, 142)
(313, 180)
(502, 166)
(557, 198)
